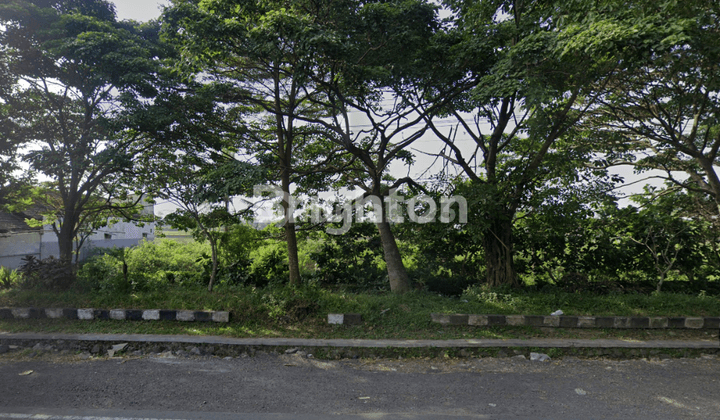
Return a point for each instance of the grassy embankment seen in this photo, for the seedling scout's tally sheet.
(287, 312)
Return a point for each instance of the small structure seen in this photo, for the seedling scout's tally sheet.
(18, 240)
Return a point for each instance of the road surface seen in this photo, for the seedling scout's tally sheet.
(270, 386)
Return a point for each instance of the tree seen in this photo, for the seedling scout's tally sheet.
(659, 229)
(293, 70)
(664, 114)
(257, 53)
(199, 188)
(535, 80)
(560, 231)
(78, 71)
(692, 235)
(9, 169)
(370, 76)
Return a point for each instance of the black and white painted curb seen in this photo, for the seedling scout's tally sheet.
(345, 319)
(564, 321)
(118, 314)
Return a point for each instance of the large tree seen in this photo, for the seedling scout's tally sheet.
(664, 114)
(537, 72)
(370, 75)
(78, 72)
(9, 169)
(258, 53)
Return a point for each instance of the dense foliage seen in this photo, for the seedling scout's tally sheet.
(313, 97)
(76, 74)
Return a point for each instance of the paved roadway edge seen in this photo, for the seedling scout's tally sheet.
(304, 342)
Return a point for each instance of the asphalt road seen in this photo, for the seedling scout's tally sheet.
(297, 387)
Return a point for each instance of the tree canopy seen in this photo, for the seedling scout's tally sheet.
(529, 102)
(77, 73)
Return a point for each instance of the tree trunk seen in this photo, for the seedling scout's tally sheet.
(399, 281)
(292, 248)
(66, 233)
(213, 251)
(290, 235)
(662, 280)
(285, 139)
(497, 243)
(66, 243)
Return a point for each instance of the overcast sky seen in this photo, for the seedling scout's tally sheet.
(140, 10)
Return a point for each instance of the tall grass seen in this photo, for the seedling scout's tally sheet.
(241, 299)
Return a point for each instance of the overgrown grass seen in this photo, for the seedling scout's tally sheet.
(631, 304)
(241, 299)
(302, 312)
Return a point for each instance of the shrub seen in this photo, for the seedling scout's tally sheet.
(165, 255)
(485, 294)
(106, 272)
(353, 260)
(146, 266)
(49, 273)
(235, 247)
(9, 278)
(269, 265)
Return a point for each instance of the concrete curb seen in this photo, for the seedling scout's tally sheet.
(117, 314)
(364, 343)
(564, 321)
(345, 319)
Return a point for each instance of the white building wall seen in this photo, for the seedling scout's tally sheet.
(16, 246)
(44, 244)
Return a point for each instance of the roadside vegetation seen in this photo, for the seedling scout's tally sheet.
(521, 112)
(166, 274)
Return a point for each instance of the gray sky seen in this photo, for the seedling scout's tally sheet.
(140, 10)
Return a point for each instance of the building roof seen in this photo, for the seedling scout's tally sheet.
(15, 222)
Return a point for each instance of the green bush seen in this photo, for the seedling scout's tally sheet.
(353, 260)
(234, 254)
(165, 255)
(102, 272)
(9, 278)
(269, 265)
(147, 266)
